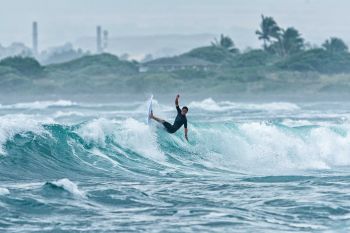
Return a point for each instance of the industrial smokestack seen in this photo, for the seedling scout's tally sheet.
(99, 39)
(35, 39)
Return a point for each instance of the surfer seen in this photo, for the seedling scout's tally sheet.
(179, 120)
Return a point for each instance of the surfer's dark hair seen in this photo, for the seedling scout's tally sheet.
(185, 107)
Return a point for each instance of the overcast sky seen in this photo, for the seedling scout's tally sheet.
(67, 20)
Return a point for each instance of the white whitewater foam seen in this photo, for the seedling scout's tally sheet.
(59, 114)
(13, 124)
(39, 104)
(69, 186)
(253, 146)
(296, 123)
(211, 105)
(259, 146)
(139, 137)
(270, 146)
(4, 191)
(274, 106)
(129, 133)
(97, 130)
(330, 147)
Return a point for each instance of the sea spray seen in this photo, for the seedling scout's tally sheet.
(279, 165)
(4, 191)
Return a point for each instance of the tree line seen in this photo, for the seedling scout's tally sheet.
(282, 42)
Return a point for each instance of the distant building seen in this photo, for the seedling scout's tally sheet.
(99, 48)
(35, 39)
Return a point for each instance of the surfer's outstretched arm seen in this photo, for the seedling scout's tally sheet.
(186, 130)
(156, 118)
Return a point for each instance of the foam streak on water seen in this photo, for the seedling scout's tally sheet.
(251, 167)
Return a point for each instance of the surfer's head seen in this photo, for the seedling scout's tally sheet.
(184, 110)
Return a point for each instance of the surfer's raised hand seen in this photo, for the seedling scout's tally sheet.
(177, 100)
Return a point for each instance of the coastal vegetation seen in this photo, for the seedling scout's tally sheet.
(285, 63)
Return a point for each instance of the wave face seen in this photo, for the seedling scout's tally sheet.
(268, 166)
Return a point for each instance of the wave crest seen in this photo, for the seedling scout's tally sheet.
(211, 105)
(39, 104)
(68, 186)
(103, 144)
(4, 191)
(11, 125)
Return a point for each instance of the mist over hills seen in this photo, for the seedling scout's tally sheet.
(156, 45)
(209, 70)
(285, 65)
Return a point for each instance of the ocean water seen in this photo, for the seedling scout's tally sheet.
(249, 167)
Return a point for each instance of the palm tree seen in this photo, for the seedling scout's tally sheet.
(268, 29)
(292, 42)
(335, 45)
(225, 42)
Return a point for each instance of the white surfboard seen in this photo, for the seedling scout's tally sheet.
(149, 109)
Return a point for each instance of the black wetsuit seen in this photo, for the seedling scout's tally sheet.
(179, 121)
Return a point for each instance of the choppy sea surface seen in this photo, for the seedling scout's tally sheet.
(249, 167)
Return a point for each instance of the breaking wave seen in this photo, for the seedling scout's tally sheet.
(211, 105)
(39, 104)
(103, 146)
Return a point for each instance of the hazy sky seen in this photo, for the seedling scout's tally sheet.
(66, 20)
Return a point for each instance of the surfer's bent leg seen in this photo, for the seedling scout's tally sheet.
(156, 118)
(169, 127)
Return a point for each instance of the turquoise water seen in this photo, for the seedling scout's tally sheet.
(249, 167)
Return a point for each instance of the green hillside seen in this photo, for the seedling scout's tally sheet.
(209, 69)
